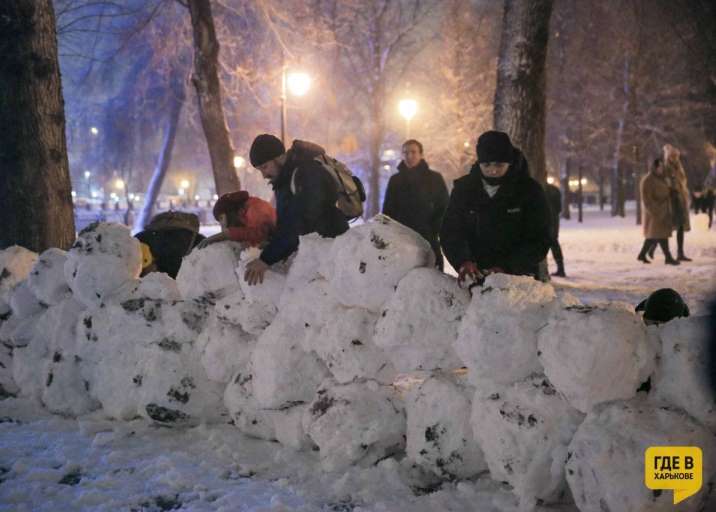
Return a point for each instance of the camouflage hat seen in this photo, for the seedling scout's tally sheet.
(174, 220)
(663, 305)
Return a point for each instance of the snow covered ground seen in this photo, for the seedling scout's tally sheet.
(49, 462)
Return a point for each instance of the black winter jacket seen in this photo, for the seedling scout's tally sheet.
(510, 230)
(417, 198)
(312, 209)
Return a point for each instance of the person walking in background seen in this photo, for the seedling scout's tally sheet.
(709, 188)
(657, 215)
(554, 200)
(498, 218)
(417, 197)
(679, 197)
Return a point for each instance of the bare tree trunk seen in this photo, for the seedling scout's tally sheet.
(35, 190)
(521, 79)
(617, 184)
(178, 96)
(208, 91)
(377, 132)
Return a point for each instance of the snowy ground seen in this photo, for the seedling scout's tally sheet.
(51, 463)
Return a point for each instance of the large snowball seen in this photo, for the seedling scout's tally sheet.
(345, 344)
(497, 339)
(142, 360)
(358, 423)
(524, 431)
(23, 302)
(260, 302)
(594, 354)
(47, 278)
(225, 349)
(244, 410)
(440, 436)
(210, 271)
(15, 264)
(682, 377)
(371, 259)
(284, 373)
(419, 323)
(104, 257)
(606, 465)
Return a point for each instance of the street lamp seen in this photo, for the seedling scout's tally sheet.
(407, 108)
(239, 162)
(119, 184)
(94, 131)
(184, 184)
(297, 83)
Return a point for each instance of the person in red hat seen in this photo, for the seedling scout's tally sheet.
(245, 219)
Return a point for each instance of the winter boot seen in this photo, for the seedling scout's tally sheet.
(664, 244)
(644, 250)
(682, 257)
(560, 269)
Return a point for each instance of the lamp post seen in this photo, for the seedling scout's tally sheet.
(297, 83)
(407, 108)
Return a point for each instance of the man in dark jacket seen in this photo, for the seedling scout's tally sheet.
(306, 196)
(417, 197)
(554, 199)
(498, 217)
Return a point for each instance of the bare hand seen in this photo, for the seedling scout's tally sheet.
(468, 272)
(255, 271)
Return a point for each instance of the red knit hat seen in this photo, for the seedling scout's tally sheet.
(233, 201)
(257, 220)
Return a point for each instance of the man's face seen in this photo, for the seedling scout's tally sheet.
(494, 169)
(269, 170)
(412, 155)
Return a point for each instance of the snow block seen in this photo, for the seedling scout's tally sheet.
(681, 376)
(283, 373)
(104, 257)
(15, 265)
(8, 388)
(358, 423)
(371, 259)
(260, 302)
(419, 323)
(225, 349)
(594, 354)
(142, 360)
(30, 338)
(605, 470)
(524, 430)
(23, 302)
(156, 285)
(244, 410)
(210, 271)
(497, 339)
(47, 277)
(64, 390)
(440, 437)
(345, 345)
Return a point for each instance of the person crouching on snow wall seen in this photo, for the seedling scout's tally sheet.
(244, 219)
(498, 219)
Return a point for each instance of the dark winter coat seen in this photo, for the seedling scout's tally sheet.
(657, 216)
(510, 230)
(554, 200)
(418, 198)
(312, 209)
(169, 246)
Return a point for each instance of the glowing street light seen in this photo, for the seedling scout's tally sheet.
(407, 108)
(550, 180)
(298, 83)
(94, 131)
(239, 162)
(119, 184)
(87, 175)
(184, 184)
